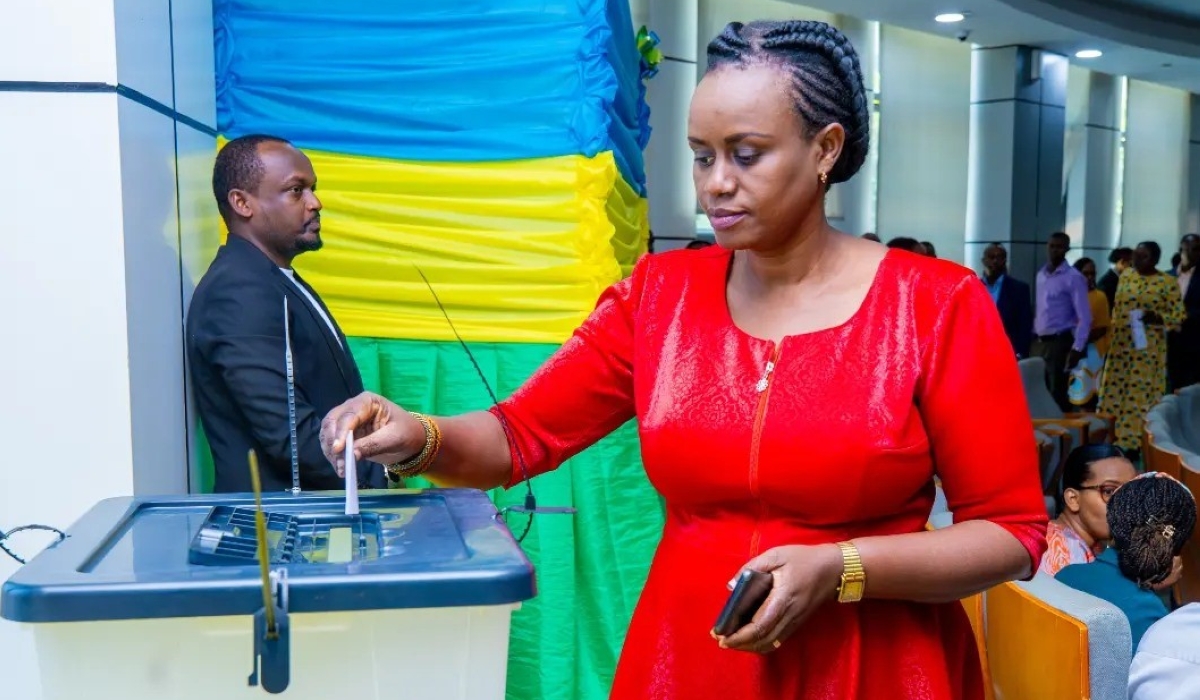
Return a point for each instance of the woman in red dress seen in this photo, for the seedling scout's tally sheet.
(796, 389)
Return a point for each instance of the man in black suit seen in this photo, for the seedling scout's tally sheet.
(265, 191)
(1120, 260)
(1183, 346)
(1012, 298)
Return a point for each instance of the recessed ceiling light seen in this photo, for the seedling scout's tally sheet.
(950, 17)
(1089, 53)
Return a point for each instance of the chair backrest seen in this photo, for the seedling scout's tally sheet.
(1041, 402)
(1189, 418)
(1162, 457)
(1048, 640)
(1189, 585)
(1179, 415)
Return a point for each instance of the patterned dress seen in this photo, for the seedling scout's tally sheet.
(1065, 547)
(1134, 380)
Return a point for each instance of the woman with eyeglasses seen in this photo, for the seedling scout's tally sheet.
(1080, 532)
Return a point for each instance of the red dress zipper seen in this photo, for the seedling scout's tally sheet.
(763, 387)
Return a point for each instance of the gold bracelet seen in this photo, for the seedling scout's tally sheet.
(419, 463)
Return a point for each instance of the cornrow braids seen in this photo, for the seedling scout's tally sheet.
(1150, 519)
(826, 78)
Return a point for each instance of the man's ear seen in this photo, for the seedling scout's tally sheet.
(239, 203)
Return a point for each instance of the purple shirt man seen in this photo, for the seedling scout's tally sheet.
(1061, 298)
(1062, 304)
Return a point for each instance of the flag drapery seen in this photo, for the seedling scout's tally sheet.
(497, 147)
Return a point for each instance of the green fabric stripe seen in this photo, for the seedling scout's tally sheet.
(591, 566)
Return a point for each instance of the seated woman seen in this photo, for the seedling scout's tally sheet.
(1149, 518)
(1080, 532)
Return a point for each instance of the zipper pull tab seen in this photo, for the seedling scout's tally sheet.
(761, 386)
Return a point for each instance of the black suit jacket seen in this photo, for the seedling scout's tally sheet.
(1189, 333)
(1108, 284)
(235, 347)
(1016, 311)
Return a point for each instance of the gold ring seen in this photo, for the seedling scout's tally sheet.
(776, 643)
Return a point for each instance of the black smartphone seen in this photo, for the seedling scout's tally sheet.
(749, 591)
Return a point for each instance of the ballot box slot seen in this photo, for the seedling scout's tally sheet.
(227, 538)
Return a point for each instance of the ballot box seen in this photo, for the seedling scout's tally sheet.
(163, 599)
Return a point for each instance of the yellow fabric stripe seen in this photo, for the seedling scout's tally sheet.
(517, 251)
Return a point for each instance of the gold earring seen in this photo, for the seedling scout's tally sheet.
(824, 179)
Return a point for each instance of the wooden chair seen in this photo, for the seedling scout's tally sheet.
(1041, 643)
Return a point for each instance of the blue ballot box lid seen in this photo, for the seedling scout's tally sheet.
(186, 556)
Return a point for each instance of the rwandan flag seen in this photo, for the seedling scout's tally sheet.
(497, 146)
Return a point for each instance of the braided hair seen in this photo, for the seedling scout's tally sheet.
(826, 78)
(1150, 519)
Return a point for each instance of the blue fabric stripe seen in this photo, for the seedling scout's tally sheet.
(468, 81)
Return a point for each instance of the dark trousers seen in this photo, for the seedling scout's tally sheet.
(1183, 362)
(1054, 350)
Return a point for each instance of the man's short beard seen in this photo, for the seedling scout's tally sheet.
(308, 245)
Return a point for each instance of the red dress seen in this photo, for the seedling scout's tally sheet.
(840, 443)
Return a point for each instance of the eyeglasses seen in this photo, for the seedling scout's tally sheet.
(1106, 491)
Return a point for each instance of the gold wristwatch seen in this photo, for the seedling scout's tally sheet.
(854, 577)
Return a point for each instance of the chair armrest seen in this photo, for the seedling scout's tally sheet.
(1064, 421)
(1079, 424)
(1102, 425)
(1106, 417)
(1051, 428)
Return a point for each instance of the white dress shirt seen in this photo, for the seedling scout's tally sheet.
(1167, 663)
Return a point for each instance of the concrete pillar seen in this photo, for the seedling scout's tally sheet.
(1157, 192)
(1015, 181)
(109, 118)
(1094, 181)
(668, 159)
(851, 205)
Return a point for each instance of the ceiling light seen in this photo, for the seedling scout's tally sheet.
(950, 17)
(1089, 53)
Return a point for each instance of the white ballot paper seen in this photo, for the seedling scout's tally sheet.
(351, 477)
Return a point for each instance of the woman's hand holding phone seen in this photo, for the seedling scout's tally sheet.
(802, 579)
